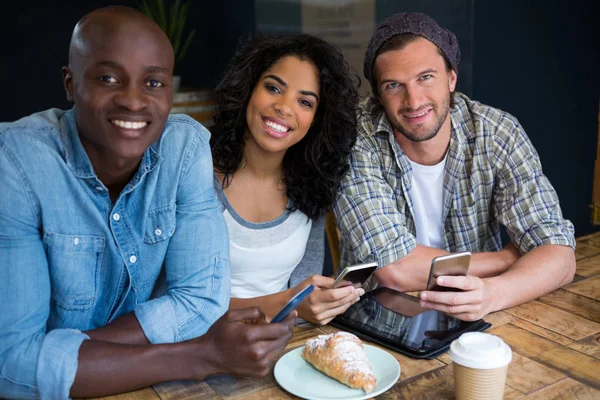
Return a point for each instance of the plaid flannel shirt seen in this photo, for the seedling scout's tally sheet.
(493, 176)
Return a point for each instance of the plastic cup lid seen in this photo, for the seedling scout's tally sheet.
(480, 350)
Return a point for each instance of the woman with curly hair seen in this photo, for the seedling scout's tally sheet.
(285, 122)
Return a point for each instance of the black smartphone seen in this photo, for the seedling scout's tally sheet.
(292, 304)
(355, 274)
(456, 264)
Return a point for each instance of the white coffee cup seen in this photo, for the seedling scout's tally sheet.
(480, 365)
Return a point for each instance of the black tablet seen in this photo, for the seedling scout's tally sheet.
(396, 320)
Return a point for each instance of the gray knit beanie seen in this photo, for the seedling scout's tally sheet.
(416, 24)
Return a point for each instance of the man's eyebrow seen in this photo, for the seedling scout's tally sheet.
(111, 64)
(284, 84)
(157, 69)
(149, 68)
(427, 71)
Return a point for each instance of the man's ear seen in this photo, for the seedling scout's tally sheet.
(67, 78)
(452, 80)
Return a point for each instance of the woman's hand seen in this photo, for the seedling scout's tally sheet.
(323, 304)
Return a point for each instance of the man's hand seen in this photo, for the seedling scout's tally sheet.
(473, 303)
(242, 343)
(323, 304)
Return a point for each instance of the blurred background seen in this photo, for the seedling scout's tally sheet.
(536, 59)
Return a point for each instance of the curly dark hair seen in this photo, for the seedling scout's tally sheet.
(313, 167)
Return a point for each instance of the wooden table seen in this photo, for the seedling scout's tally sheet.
(555, 342)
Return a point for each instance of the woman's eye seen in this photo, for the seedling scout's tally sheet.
(107, 79)
(154, 83)
(306, 103)
(273, 88)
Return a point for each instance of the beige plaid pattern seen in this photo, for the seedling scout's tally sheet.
(493, 177)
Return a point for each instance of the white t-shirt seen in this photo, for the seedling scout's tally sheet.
(426, 193)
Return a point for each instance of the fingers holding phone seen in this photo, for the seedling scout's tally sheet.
(324, 303)
(242, 343)
(469, 302)
(456, 264)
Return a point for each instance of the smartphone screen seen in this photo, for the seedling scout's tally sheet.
(355, 275)
(451, 265)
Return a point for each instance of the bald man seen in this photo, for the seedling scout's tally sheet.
(100, 203)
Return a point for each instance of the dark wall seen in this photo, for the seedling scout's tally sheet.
(539, 61)
(35, 41)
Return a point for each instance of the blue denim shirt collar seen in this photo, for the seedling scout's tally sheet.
(79, 162)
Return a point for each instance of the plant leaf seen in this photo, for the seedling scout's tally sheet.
(185, 46)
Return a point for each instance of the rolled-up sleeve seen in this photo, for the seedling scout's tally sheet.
(33, 363)
(525, 201)
(197, 260)
(372, 226)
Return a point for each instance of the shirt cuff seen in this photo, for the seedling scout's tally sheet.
(57, 363)
(396, 251)
(546, 234)
(157, 319)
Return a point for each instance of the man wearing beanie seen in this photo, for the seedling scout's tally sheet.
(434, 172)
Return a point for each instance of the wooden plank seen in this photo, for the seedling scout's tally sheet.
(185, 390)
(555, 320)
(499, 318)
(268, 394)
(411, 367)
(565, 389)
(588, 267)
(577, 365)
(229, 387)
(523, 342)
(300, 336)
(589, 346)
(543, 332)
(592, 240)
(527, 376)
(445, 358)
(435, 384)
(573, 303)
(584, 250)
(572, 363)
(141, 394)
(588, 288)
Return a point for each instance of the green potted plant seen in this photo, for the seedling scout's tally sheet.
(172, 20)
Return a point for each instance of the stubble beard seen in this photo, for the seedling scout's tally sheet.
(416, 136)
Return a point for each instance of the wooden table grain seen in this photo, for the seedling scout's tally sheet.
(555, 342)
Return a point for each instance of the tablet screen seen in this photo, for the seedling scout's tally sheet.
(397, 318)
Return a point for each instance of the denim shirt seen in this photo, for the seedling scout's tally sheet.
(71, 260)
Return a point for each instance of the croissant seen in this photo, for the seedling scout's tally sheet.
(341, 356)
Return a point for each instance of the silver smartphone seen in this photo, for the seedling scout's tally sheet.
(355, 275)
(453, 264)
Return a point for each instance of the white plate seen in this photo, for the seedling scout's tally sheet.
(301, 379)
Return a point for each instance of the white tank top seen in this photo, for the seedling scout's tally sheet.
(426, 193)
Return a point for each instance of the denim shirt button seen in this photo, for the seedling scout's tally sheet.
(132, 259)
(158, 232)
(116, 216)
(76, 241)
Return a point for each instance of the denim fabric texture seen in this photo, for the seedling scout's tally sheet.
(71, 260)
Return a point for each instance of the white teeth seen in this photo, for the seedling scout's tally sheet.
(129, 124)
(275, 126)
(418, 115)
